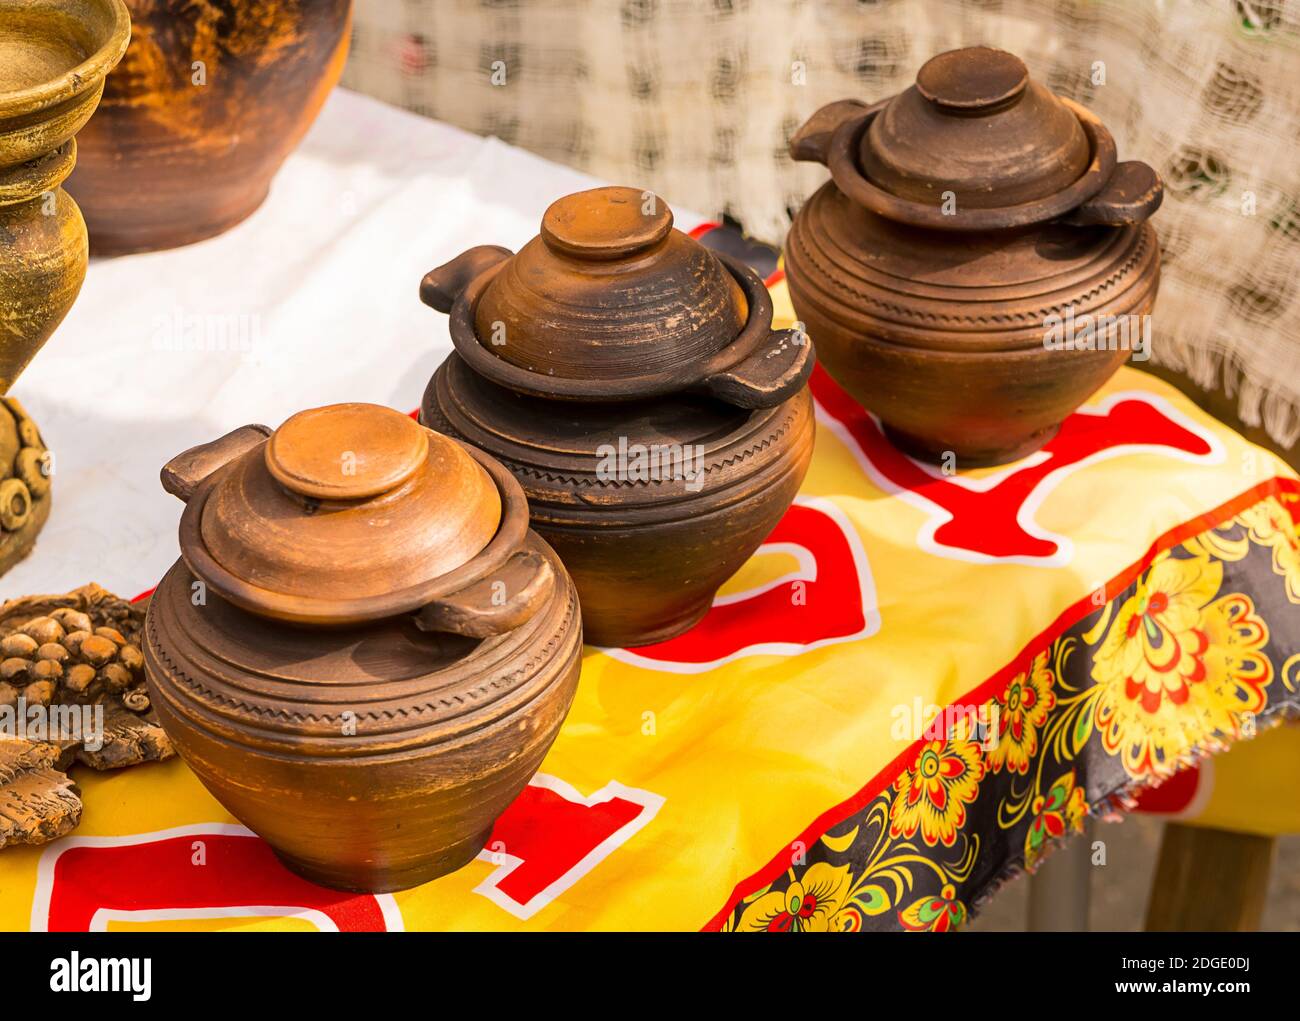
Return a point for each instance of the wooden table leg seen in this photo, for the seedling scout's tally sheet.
(1209, 880)
(1059, 892)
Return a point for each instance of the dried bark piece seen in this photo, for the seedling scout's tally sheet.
(38, 803)
(76, 653)
(129, 739)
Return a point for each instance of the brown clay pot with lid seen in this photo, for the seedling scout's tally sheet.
(970, 222)
(631, 381)
(363, 653)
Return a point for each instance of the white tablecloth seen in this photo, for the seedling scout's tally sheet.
(312, 300)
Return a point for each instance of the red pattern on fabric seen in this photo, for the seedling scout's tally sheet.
(993, 685)
(1172, 796)
(552, 835)
(239, 871)
(832, 608)
(987, 521)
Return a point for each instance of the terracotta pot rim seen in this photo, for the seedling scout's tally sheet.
(692, 377)
(86, 76)
(508, 540)
(850, 179)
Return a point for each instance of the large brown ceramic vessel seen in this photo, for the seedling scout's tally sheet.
(632, 382)
(54, 56)
(208, 103)
(964, 220)
(363, 653)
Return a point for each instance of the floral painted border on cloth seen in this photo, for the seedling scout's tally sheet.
(1182, 661)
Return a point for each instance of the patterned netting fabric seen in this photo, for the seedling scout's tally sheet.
(696, 99)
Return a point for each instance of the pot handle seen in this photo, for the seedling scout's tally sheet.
(772, 374)
(502, 601)
(1133, 193)
(442, 286)
(812, 142)
(183, 473)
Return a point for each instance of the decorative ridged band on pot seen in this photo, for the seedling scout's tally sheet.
(364, 653)
(979, 263)
(631, 381)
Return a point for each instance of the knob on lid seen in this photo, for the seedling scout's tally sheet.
(392, 448)
(977, 129)
(610, 291)
(347, 502)
(608, 223)
(972, 79)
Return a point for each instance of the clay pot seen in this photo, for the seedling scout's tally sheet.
(631, 381)
(956, 268)
(54, 56)
(363, 653)
(208, 103)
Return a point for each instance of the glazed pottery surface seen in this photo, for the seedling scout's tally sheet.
(658, 425)
(372, 738)
(207, 104)
(966, 220)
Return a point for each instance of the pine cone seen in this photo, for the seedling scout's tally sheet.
(65, 657)
(78, 648)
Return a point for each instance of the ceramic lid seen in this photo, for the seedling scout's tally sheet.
(976, 126)
(976, 145)
(347, 502)
(610, 291)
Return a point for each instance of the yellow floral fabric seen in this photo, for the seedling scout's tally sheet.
(1180, 664)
